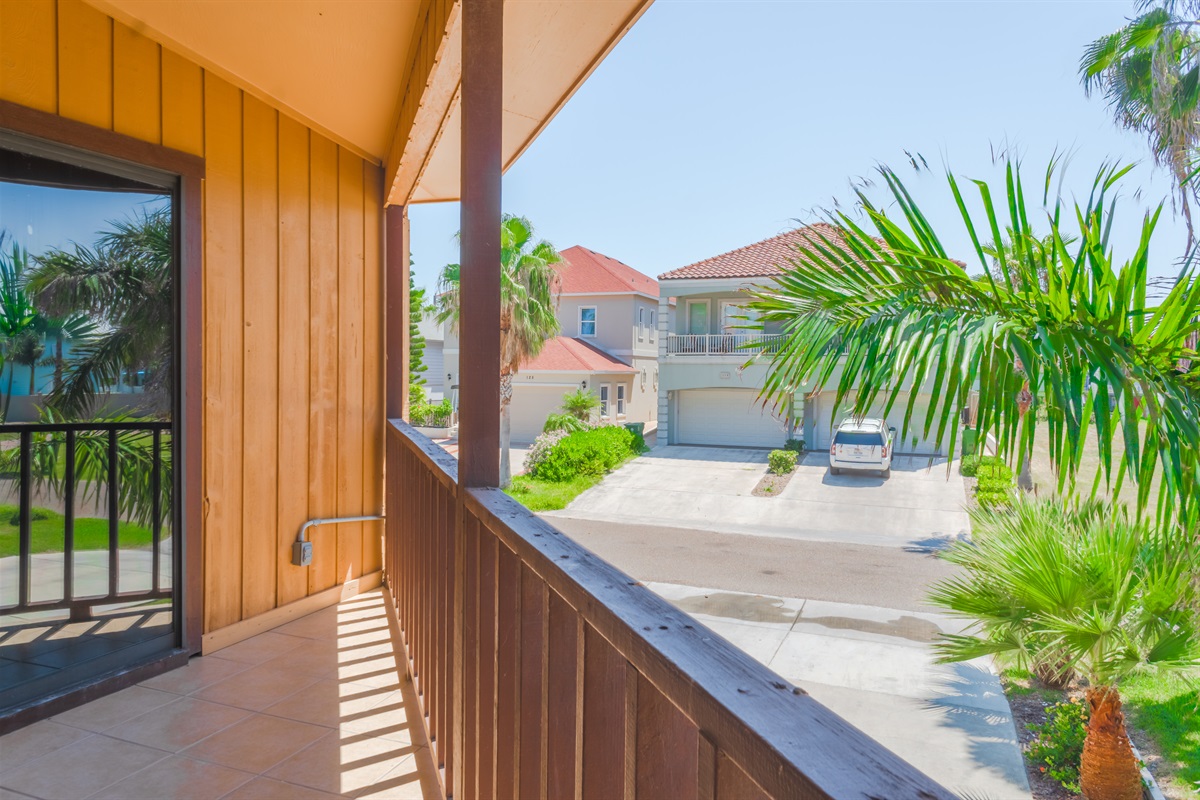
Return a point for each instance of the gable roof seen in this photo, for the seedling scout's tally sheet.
(585, 271)
(758, 260)
(567, 354)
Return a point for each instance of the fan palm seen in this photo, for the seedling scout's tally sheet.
(876, 314)
(1060, 588)
(581, 404)
(125, 284)
(1149, 72)
(528, 306)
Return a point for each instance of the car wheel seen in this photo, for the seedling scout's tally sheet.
(835, 471)
(887, 473)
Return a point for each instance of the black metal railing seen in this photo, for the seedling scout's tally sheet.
(87, 458)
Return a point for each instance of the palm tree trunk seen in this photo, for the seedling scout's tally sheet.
(1108, 769)
(32, 379)
(58, 363)
(8, 392)
(505, 429)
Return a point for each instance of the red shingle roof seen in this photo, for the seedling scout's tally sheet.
(585, 271)
(761, 259)
(566, 354)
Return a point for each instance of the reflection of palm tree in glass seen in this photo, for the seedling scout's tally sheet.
(17, 314)
(124, 284)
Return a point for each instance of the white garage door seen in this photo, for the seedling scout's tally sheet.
(910, 442)
(730, 417)
(531, 404)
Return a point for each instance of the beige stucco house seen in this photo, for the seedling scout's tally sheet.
(608, 344)
(712, 368)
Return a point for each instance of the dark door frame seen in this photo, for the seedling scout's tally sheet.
(189, 395)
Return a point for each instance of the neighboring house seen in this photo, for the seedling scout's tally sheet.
(608, 344)
(434, 356)
(707, 395)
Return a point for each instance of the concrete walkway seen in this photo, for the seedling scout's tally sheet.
(709, 488)
(874, 667)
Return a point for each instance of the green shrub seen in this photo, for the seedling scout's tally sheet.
(431, 415)
(782, 462)
(590, 452)
(1058, 744)
(35, 514)
(795, 445)
(969, 465)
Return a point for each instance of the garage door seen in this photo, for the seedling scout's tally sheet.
(731, 417)
(911, 442)
(531, 404)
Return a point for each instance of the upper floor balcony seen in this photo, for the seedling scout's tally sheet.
(723, 344)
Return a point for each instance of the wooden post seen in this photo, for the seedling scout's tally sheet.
(479, 321)
(479, 325)
(396, 377)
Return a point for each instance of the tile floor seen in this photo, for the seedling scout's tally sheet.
(313, 709)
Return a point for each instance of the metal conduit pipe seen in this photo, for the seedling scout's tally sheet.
(302, 549)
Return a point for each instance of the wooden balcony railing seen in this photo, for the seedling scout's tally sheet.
(722, 344)
(55, 446)
(545, 672)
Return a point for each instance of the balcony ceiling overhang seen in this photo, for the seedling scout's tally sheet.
(381, 77)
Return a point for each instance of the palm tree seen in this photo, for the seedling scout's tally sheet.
(17, 314)
(528, 306)
(1149, 72)
(1086, 589)
(581, 404)
(76, 329)
(26, 349)
(876, 311)
(125, 285)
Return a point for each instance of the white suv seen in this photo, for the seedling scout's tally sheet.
(862, 444)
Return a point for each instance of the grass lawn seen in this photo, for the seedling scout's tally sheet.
(1167, 709)
(1047, 482)
(539, 495)
(47, 534)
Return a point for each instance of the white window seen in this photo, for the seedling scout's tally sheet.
(604, 401)
(641, 322)
(620, 399)
(587, 321)
(735, 317)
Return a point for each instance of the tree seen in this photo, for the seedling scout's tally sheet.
(581, 404)
(1062, 588)
(17, 314)
(878, 313)
(125, 285)
(528, 306)
(416, 342)
(26, 350)
(1149, 72)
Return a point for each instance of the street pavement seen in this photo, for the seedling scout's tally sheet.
(873, 667)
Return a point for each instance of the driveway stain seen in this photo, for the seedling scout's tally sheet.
(914, 629)
(745, 607)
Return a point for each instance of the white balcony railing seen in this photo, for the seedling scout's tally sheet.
(722, 344)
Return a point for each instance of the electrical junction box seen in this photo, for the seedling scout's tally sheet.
(302, 553)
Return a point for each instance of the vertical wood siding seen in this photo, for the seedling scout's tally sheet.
(293, 277)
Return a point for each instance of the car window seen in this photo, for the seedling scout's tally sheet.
(860, 439)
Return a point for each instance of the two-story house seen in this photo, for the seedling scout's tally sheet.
(707, 393)
(608, 344)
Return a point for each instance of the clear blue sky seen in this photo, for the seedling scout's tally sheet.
(40, 217)
(713, 125)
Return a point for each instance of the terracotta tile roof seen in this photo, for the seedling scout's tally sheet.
(761, 259)
(567, 354)
(585, 271)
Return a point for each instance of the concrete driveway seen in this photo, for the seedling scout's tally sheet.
(920, 506)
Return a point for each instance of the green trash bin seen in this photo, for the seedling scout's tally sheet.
(968, 442)
(637, 427)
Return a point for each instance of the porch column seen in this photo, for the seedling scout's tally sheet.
(397, 333)
(479, 326)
